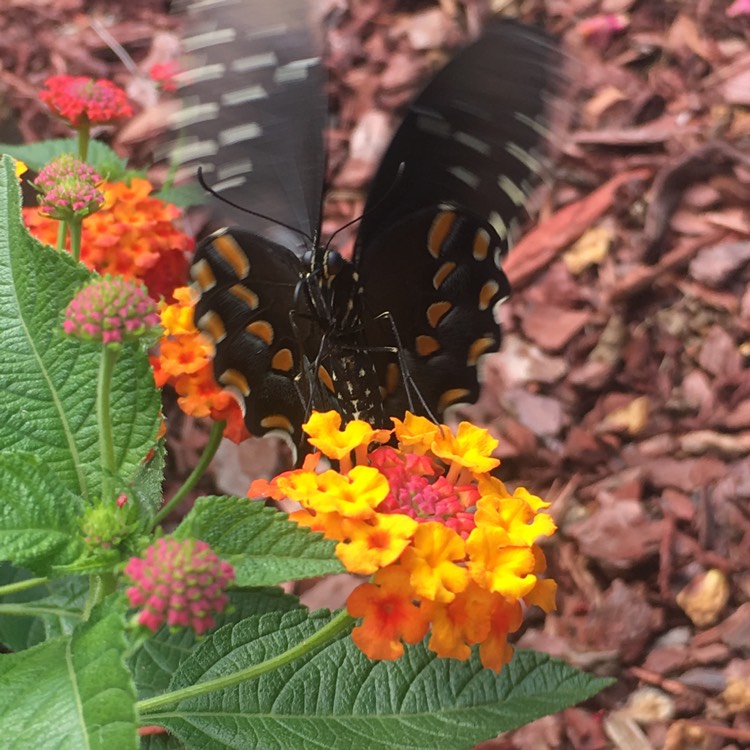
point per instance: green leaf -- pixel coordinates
(337, 698)
(70, 693)
(161, 742)
(263, 545)
(160, 655)
(39, 518)
(36, 155)
(41, 613)
(47, 380)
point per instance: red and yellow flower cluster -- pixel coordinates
(184, 361)
(450, 549)
(132, 235)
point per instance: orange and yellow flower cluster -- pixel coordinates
(184, 361)
(132, 235)
(450, 549)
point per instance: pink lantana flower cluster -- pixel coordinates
(111, 310)
(180, 583)
(68, 189)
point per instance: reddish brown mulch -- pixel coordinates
(622, 391)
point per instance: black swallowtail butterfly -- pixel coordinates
(406, 322)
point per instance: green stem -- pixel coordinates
(28, 583)
(338, 624)
(30, 610)
(214, 440)
(104, 421)
(100, 586)
(62, 231)
(75, 239)
(84, 132)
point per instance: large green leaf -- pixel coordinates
(264, 546)
(40, 613)
(337, 698)
(47, 380)
(159, 656)
(39, 519)
(70, 693)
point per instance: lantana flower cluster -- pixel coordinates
(449, 548)
(133, 235)
(112, 310)
(82, 100)
(68, 189)
(178, 583)
(185, 362)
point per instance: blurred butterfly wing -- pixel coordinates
(470, 138)
(254, 111)
(429, 249)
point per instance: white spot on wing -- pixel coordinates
(434, 125)
(193, 151)
(239, 133)
(193, 114)
(255, 62)
(241, 96)
(209, 39)
(535, 125)
(497, 223)
(234, 169)
(200, 74)
(294, 71)
(200, 6)
(511, 190)
(473, 143)
(469, 178)
(229, 184)
(524, 156)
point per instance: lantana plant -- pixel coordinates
(120, 631)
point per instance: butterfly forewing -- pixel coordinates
(472, 137)
(254, 110)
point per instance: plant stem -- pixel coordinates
(62, 231)
(28, 583)
(31, 610)
(104, 420)
(75, 239)
(100, 585)
(84, 131)
(338, 624)
(214, 440)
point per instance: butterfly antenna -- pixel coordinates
(396, 180)
(223, 199)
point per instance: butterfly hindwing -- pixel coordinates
(254, 307)
(440, 303)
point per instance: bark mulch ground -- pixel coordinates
(622, 390)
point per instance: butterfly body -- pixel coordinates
(406, 322)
